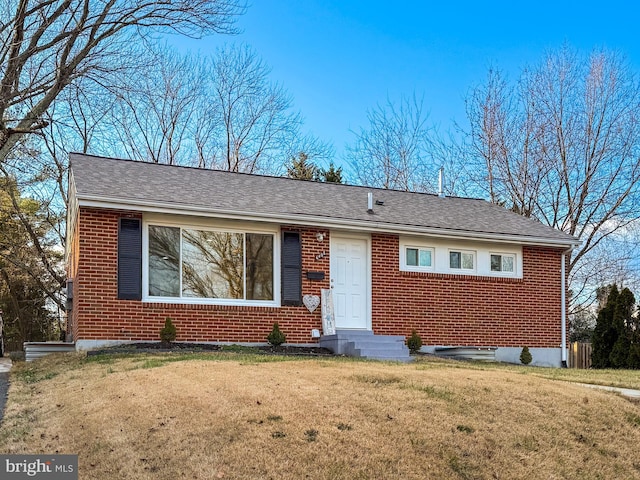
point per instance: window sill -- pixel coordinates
(209, 302)
(417, 270)
(462, 276)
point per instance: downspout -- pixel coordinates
(563, 305)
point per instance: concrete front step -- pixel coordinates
(364, 344)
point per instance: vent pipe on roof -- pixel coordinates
(369, 202)
(441, 183)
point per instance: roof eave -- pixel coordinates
(318, 221)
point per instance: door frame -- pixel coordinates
(355, 236)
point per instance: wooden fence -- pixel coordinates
(579, 355)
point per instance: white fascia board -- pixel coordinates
(315, 221)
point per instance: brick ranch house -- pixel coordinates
(226, 255)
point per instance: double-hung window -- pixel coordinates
(503, 263)
(198, 263)
(462, 260)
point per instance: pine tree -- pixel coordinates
(414, 342)
(622, 319)
(633, 359)
(276, 337)
(525, 356)
(616, 338)
(604, 335)
(168, 333)
(301, 168)
(331, 175)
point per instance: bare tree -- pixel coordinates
(154, 115)
(164, 113)
(45, 46)
(59, 62)
(218, 112)
(506, 137)
(393, 151)
(253, 120)
(564, 146)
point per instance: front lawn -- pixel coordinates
(242, 416)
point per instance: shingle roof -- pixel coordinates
(153, 187)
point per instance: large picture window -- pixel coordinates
(210, 264)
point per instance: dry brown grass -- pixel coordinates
(244, 417)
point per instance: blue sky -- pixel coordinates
(340, 58)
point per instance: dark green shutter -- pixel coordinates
(291, 269)
(130, 259)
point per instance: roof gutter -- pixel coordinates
(317, 221)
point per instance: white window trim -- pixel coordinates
(502, 273)
(416, 268)
(482, 252)
(461, 270)
(199, 225)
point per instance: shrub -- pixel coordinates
(414, 342)
(168, 332)
(525, 356)
(17, 356)
(276, 337)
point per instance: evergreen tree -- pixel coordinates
(616, 338)
(301, 168)
(604, 335)
(525, 356)
(622, 315)
(331, 175)
(620, 352)
(633, 359)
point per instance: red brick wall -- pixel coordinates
(99, 315)
(444, 309)
(465, 310)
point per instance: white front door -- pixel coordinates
(350, 281)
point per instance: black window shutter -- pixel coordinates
(291, 269)
(130, 259)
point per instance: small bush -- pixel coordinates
(168, 332)
(276, 337)
(414, 342)
(525, 356)
(17, 356)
